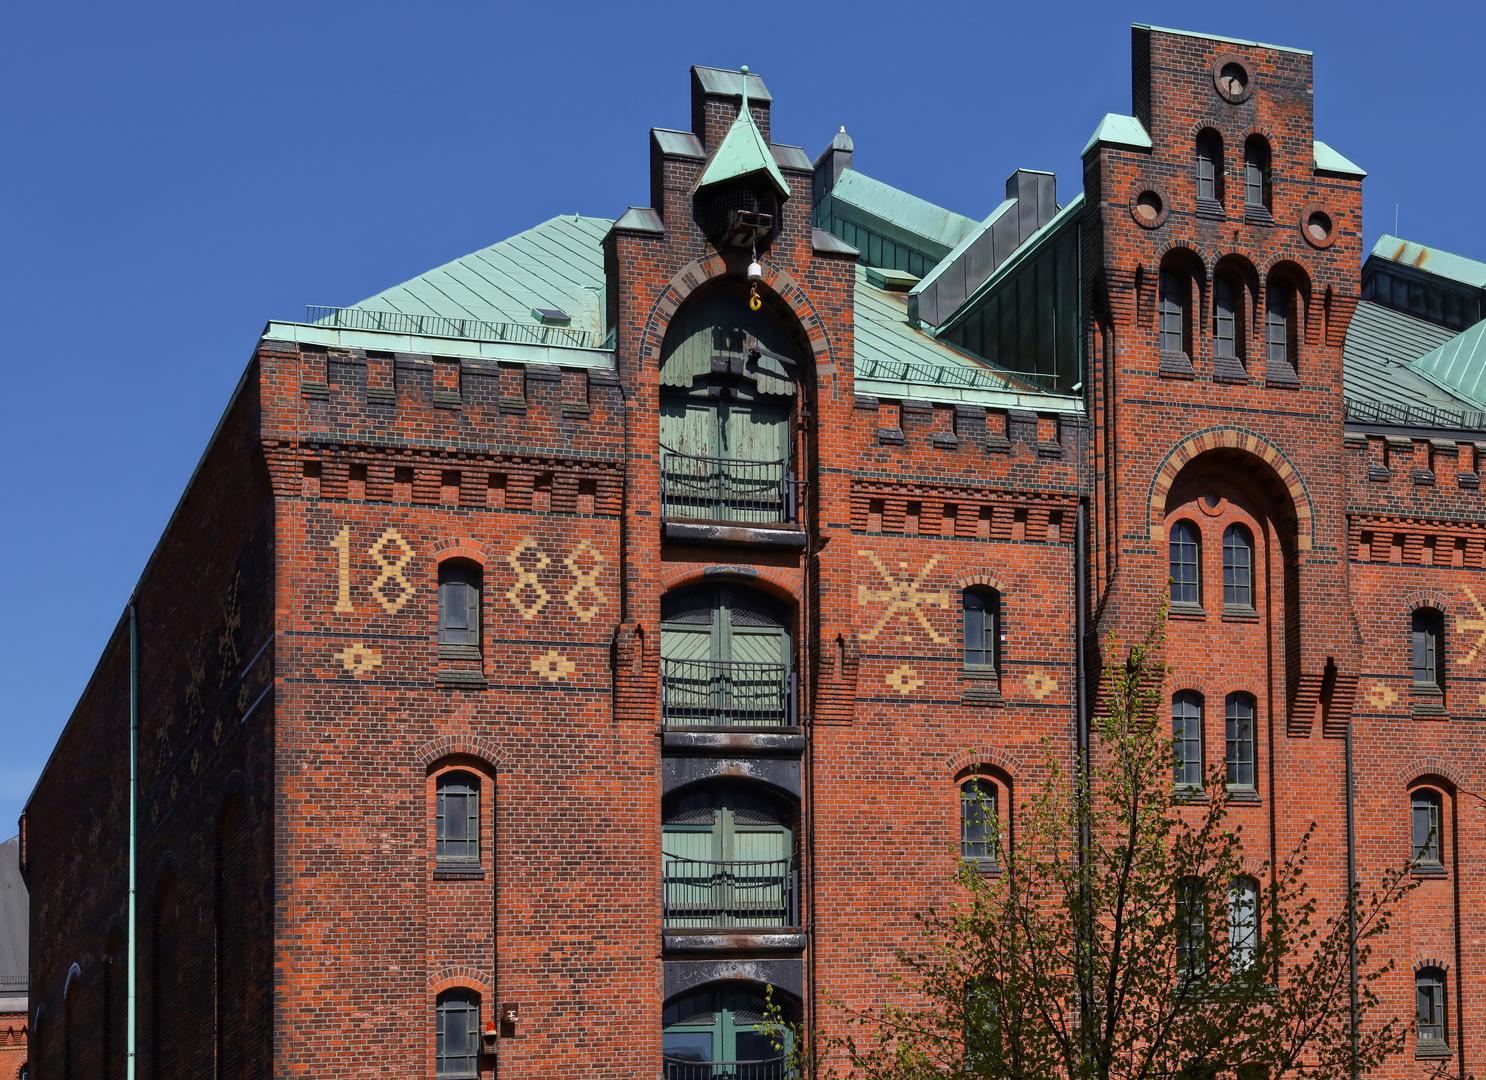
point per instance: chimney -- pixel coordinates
(715, 97)
(833, 161)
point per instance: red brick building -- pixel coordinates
(554, 652)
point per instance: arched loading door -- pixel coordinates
(725, 658)
(727, 389)
(728, 859)
(722, 1031)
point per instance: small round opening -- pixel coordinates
(1318, 226)
(1233, 79)
(1148, 207)
(1212, 499)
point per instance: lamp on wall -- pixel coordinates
(488, 1037)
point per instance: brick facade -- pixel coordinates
(297, 710)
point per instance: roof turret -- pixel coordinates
(744, 152)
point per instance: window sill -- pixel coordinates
(1432, 1048)
(1176, 365)
(1281, 375)
(984, 867)
(981, 686)
(1229, 369)
(1190, 795)
(1239, 613)
(1428, 870)
(458, 652)
(460, 678)
(1257, 215)
(1211, 209)
(1182, 610)
(1243, 795)
(452, 872)
(1429, 705)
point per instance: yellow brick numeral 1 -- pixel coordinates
(342, 544)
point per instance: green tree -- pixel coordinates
(1123, 939)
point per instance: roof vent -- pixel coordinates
(551, 316)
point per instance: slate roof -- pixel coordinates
(15, 926)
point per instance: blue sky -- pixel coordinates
(177, 174)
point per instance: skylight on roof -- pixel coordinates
(551, 316)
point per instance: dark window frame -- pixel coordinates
(1186, 729)
(461, 588)
(1244, 910)
(1208, 150)
(1242, 747)
(1427, 634)
(457, 790)
(1238, 566)
(1191, 928)
(1174, 310)
(1431, 1030)
(1282, 322)
(1426, 828)
(456, 1062)
(980, 822)
(980, 629)
(1185, 589)
(1258, 163)
(1230, 340)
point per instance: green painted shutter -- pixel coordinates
(754, 432)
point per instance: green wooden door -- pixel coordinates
(723, 1022)
(727, 854)
(725, 657)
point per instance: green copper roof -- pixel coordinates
(897, 208)
(1117, 130)
(1328, 160)
(1218, 37)
(1459, 365)
(557, 264)
(743, 152)
(1431, 261)
(896, 359)
(1380, 346)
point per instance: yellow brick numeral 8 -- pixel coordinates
(391, 588)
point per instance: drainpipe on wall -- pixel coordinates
(1351, 857)
(1081, 723)
(131, 969)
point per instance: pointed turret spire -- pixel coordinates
(743, 152)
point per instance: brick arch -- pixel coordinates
(74, 974)
(1191, 682)
(1415, 599)
(1204, 122)
(978, 577)
(697, 273)
(1288, 255)
(1230, 438)
(1246, 254)
(1421, 962)
(768, 578)
(475, 746)
(990, 755)
(1237, 684)
(1257, 129)
(462, 977)
(459, 547)
(1423, 768)
(1182, 244)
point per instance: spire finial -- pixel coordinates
(744, 72)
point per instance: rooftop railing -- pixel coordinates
(726, 489)
(971, 378)
(710, 894)
(763, 1069)
(1395, 414)
(726, 693)
(398, 322)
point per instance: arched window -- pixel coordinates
(459, 604)
(1281, 327)
(1175, 314)
(980, 610)
(722, 1029)
(1186, 731)
(1256, 176)
(1191, 928)
(1429, 1000)
(727, 859)
(1424, 805)
(1228, 319)
(1209, 171)
(457, 818)
(980, 822)
(1238, 567)
(1243, 922)
(1428, 640)
(457, 1034)
(1186, 563)
(1240, 720)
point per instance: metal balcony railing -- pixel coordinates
(714, 894)
(726, 489)
(765, 1069)
(726, 693)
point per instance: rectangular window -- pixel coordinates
(1238, 567)
(1279, 317)
(1185, 553)
(459, 604)
(1225, 323)
(457, 819)
(980, 628)
(1426, 827)
(1173, 311)
(1429, 996)
(1426, 635)
(1186, 729)
(457, 1042)
(1243, 922)
(1240, 741)
(980, 814)
(1206, 175)
(1191, 928)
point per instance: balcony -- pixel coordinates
(726, 694)
(728, 500)
(765, 1069)
(729, 895)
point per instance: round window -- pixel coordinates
(1232, 79)
(1316, 226)
(1148, 207)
